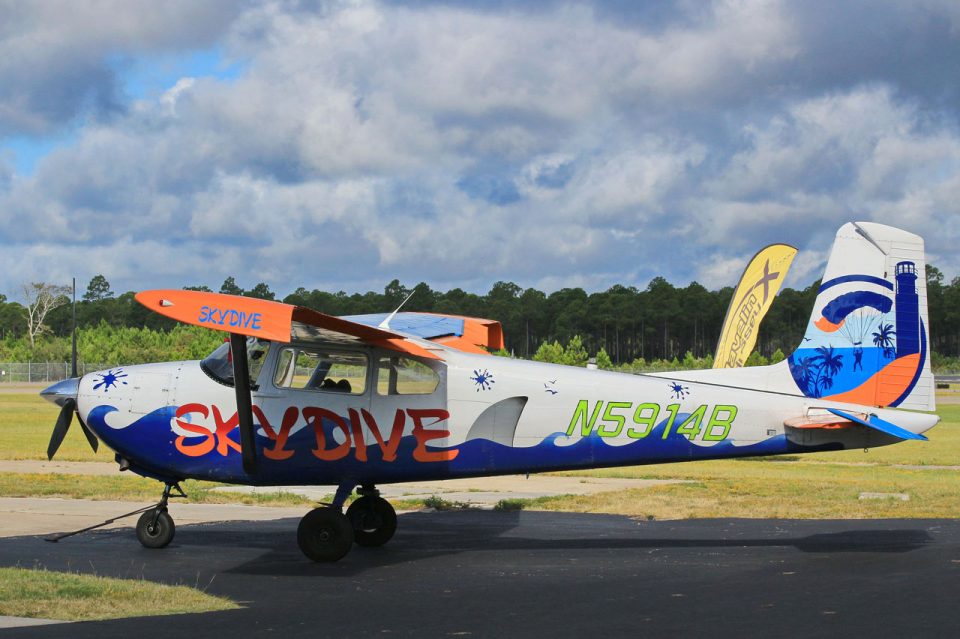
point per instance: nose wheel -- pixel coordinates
(155, 528)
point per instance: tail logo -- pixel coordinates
(868, 344)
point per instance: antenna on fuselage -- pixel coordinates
(385, 324)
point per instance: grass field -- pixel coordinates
(800, 486)
(26, 421)
(73, 597)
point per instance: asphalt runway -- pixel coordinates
(538, 574)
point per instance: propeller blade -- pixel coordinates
(91, 438)
(60, 428)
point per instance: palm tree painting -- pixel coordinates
(883, 338)
(829, 364)
(815, 374)
(804, 372)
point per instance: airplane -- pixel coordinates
(299, 397)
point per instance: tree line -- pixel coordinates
(660, 322)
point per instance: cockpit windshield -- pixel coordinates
(219, 363)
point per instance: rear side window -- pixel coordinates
(315, 369)
(405, 376)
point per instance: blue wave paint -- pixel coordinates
(151, 442)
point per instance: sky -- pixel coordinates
(340, 145)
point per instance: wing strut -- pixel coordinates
(241, 383)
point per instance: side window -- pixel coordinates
(405, 376)
(314, 369)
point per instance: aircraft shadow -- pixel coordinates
(271, 547)
(424, 536)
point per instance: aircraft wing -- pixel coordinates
(270, 320)
(469, 334)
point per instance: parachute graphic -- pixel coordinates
(855, 315)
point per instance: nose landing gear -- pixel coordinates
(155, 528)
(326, 534)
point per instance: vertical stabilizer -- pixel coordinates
(867, 341)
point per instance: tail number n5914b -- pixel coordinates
(612, 419)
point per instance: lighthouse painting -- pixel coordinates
(867, 344)
(908, 310)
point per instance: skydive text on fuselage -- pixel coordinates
(426, 426)
(230, 317)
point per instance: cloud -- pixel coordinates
(461, 143)
(57, 59)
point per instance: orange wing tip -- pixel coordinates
(478, 334)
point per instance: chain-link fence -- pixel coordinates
(43, 371)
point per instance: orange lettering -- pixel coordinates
(224, 443)
(315, 417)
(286, 425)
(194, 450)
(389, 447)
(358, 439)
(420, 453)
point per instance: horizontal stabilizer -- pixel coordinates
(825, 422)
(881, 425)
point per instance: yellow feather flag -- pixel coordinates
(758, 286)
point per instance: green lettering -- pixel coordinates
(648, 420)
(673, 408)
(583, 410)
(725, 423)
(690, 427)
(612, 430)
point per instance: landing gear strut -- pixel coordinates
(155, 528)
(326, 534)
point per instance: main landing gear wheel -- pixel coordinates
(373, 519)
(325, 534)
(155, 528)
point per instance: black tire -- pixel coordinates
(374, 521)
(325, 534)
(155, 536)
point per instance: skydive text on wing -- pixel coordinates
(230, 317)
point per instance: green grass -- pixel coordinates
(131, 488)
(768, 489)
(26, 421)
(72, 597)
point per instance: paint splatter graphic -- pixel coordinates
(679, 391)
(484, 380)
(110, 379)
